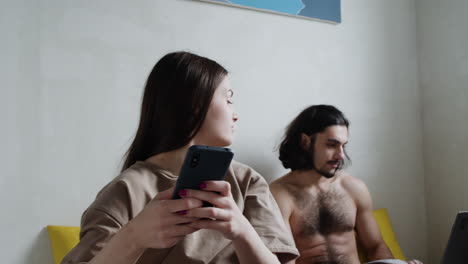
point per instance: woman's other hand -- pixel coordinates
(161, 223)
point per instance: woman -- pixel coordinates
(187, 101)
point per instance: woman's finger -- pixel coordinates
(222, 187)
(208, 212)
(217, 225)
(183, 204)
(164, 195)
(179, 218)
(207, 196)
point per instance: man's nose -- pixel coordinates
(235, 117)
(339, 155)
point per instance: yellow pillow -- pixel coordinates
(63, 239)
(383, 220)
(386, 229)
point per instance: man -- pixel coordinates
(321, 204)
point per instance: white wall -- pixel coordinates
(84, 69)
(443, 54)
(22, 239)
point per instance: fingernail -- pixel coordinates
(182, 193)
(184, 212)
(203, 186)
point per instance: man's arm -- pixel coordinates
(367, 229)
(285, 204)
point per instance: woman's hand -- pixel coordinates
(224, 217)
(161, 224)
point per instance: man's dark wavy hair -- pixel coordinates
(312, 120)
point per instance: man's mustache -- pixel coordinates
(335, 162)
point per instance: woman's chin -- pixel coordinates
(223, 143)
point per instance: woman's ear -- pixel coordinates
(305, 141)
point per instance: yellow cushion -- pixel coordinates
(386, 229)
(63, 239)
(383, 220)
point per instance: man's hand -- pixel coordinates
(415, 261)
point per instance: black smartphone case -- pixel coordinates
(202, 163)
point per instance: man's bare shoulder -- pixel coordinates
(283, 191)
(352, 184)
(357, 189)
(287, 187)
(285, 184)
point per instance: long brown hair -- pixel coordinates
(312, 120)
(177, 96)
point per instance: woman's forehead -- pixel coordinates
(225, 86)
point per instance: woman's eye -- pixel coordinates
(230, 102)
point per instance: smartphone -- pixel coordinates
(202, 163)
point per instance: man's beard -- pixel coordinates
(327, 173)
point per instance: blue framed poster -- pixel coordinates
(327, 10)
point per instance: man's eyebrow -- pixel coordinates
(336, 141)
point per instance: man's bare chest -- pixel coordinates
(323, 213)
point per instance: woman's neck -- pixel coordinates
(171, 160)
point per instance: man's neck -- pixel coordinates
(310, 178)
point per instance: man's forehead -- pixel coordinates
(335, 133)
